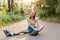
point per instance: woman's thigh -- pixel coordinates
(24, 30)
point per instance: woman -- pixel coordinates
(32, 25)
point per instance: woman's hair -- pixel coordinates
(33, 11)
(33, 16)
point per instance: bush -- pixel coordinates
(6, 19)
(42, 13)
(17, 17)
(11, 17)
(58, 10)
(16, 9)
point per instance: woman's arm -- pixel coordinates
(39, 26)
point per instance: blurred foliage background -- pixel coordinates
(49, 10)
(15, 10)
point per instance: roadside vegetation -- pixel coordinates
(10, 14)
(11, 11)
(50, 10)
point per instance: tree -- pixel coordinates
(51, 7)
(38, 3)
(9, 6)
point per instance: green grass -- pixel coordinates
(51, 19)
(2, 24)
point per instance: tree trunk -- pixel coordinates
(12, 5)
(9, 6)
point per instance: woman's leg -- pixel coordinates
(8, 33)
(24, 31)
(40, 29)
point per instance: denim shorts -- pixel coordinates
(30, 29)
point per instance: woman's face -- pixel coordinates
(33, 14)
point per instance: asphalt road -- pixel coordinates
(51, 31)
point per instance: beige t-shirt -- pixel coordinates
(33, 23)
